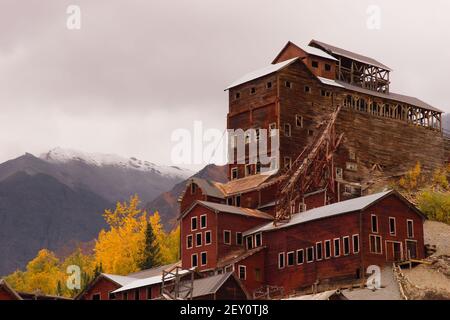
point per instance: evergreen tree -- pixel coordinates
(151, 256)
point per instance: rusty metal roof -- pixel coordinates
(209, 285)
(348, 54)
(237, 255)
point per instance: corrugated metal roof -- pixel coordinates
(236, 210)
(324, 212)
(246, 183)
(237, 255)
(209, 285)
(348, 54)
(261, 72)
(392, 96)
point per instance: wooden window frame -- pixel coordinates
(192, 260)
(319, 244)
(187, 241)
(260, 240)
(370, 244)
(210, 238)
(355, 236)
(325, 249)
(372, 225)
(392, 232)
(196, 223)
(303, 256)
(206, 221)
(252, 242)
(242, 267)
(283, 256)
(339, 247)
(307, 256)
(407, 228)
(292, 254)
(287, 134)
(288, 84)
(348, 246)
(315, 64)
(225, 232)
(235, 169)
(242, 239)
(205, 253)
(196, 239)
(193, 188)
(245, 170)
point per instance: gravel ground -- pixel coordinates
(427, 277)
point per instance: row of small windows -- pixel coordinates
(198, 239)
(125, 295)
(203, 259)
(322, 250)
(227, 238)
(392, 226)
(194, 222)
(269, 85)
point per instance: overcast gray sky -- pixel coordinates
(136, 70)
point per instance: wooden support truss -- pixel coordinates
(312, 170)
(177, 284)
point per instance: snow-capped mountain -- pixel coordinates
(62, 155)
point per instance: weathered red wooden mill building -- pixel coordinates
(342, 134)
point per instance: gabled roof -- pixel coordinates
(332, 210)
(309, 50)
(120, 280)
(348, 54)
(392, 96)
(261, 72)
(8, 288)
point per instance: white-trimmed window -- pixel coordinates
(249, 242)
(208, 237)
(337, 247)
(327, 249)
(375, 244)
(355, 241)
(374, 223)
(239, 238)
(319, 251)
(290, 258)
(287, 129)
(258, 239)
(300, 256)
(194, 260)
(309, 254)
(242, 272)
(203, 221)
(234, 173)
(281, 260)
(198, 239)
(194, 225)
(298, 121)
(203, 258)
(189, 241)
(226, 236)
(392, 226)
(346, 245)
(410, 228)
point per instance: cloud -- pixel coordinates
(152, 66)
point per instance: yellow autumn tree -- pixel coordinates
(120, 249)
(42, 274)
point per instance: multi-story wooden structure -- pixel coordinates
(342, 131)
